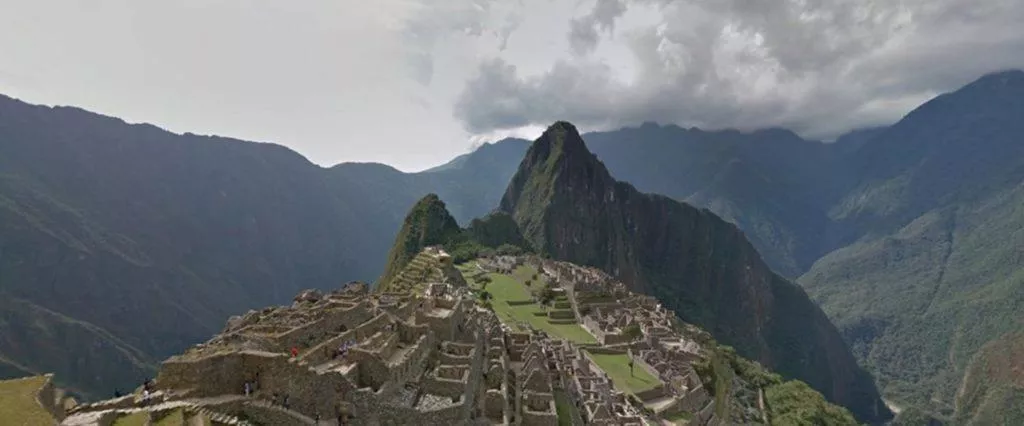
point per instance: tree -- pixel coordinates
(632, 332)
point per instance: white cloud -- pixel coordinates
(819, 67)
(412, 82)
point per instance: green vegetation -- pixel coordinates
(993, 387)
(617, 368)
(918, 304)
(18, 403)
(795, 403)
(698, 265)
(564, 408)
(511, 288)
(134, 419)
(680, 418)
(174, 418)
(735, 382)
(427, 224)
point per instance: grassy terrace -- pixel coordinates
(504, 288)
(617, 367)
(18, 404)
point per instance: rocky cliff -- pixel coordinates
(570, 208)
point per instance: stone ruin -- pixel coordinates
(424, 356)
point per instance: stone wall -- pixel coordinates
(653, 393)
(321, 353)
(607, 351)
(331, 323)
(401, 416)
(443, 387)
(225, 374)
(706, 415)
(533, 418)
(695, 399)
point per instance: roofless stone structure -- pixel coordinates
(431, 355)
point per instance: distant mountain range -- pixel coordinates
(907, 235)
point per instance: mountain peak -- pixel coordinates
(427, 224)
(1001, 78)
(557, 165)
(563, 137)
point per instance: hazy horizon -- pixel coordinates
(412, 85)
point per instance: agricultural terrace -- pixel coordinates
(617, 368)
(512, 300)
(18, 403)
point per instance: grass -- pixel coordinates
(617, 367)
(564, 408)
(134, 419)
(175, 418)
(680, 419)
(504, 288)
(18, 404)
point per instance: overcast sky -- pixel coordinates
(413, 83)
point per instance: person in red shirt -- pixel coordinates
(295, 352)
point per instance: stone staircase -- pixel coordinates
(294, 417)
(197, 411)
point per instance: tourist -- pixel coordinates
(295, 351)
(248, 389)
(285, 402)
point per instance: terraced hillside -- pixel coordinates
(432, 265)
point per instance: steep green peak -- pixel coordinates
(562, 140)
(557, 169)
(427, 224)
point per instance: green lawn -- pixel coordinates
(617, 367)
(679, 419)
(504, 288)
(18, 404)
(134, 419)
(564, 408)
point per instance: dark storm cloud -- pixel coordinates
(819, 67)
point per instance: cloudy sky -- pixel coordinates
(413, 83)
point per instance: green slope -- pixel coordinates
(936, 273)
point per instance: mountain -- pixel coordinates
(570, 208)
(992, 391)
(933, 273)
(109, 232)
(427, 224)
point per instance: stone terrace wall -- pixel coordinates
(653, 393)
(433, 384)
(401, 416)
(321, 352)
(47, 398)
(225, 374)
(317, 330)
(533, 418)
